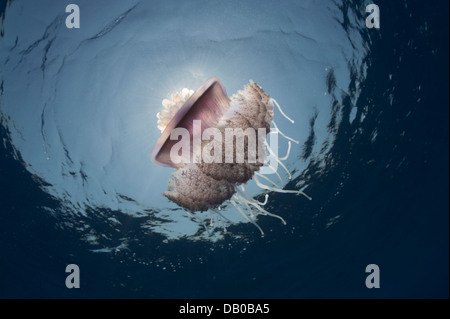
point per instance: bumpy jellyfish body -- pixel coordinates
(202, 185)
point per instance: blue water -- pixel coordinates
(379, 187)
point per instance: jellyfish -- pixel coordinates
(216, 145)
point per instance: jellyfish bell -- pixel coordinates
(239, 126)
(206, 105)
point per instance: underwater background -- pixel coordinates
(78, 121)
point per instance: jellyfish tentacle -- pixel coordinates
(221, 215)
(266, 199)
(279, 190)
(266, 196)
(211, 220)
(218, 221)
(250, 211)
(281, 111)
(278, 160)
(306, 195)
(285, 157)
(277, 130)
(275, 171)
(246, 217)
(267, 179)
(256, 204)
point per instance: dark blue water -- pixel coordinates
(392, 194)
